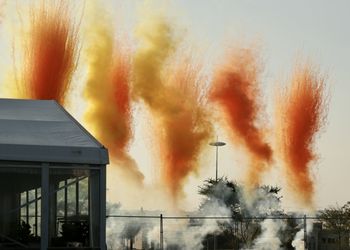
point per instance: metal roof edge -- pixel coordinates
(54, 154)
(78, 124)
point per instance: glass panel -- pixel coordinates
(39, 212)
(31, 209)
(84, 197)
(72, 227)
(71, 197)
(61, 200)
(23, 212)
(17, 215)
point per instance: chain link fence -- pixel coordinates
(160, 232)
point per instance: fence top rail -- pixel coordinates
(133, 216)
(283, 217)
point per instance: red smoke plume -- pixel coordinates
(122, 102)
(301, 113)
(51, 52)
(121, 119)
(236, 89)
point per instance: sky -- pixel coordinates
(284, 32)
(317, 30)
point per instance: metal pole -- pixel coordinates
(161, 232)
(36, 212)
(305, 234)
(214, 241)
(217, 144)
(45, 207)
(102, 207)
(65, 201)
(76, 196)
(27, 207)
(217, 163)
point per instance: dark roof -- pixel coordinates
(43, 131)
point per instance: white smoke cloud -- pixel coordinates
(270, 236)
(298, 241)
(190, 232)
(122, 229)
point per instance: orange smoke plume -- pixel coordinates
(236, 89)
(173, 97)
(185, 127)
(301, 113)
(51, 52)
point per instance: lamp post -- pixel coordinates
(217, 144)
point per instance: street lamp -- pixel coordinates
(217, 144)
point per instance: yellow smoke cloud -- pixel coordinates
(106, 115)
(156, 46)
(98, 56)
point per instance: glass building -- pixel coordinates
(52, 179)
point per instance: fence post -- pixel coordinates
(161, 232)
(215, 243)
(305, 233)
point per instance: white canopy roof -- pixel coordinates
(42, 131)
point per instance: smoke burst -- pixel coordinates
(173, 97)
(51, 52)
(236, 90)
(301, 113)
(108, 94)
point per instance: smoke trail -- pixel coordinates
(235, 88)
(173, 97)
(108, 94)
(51, 52)
(301, 113)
